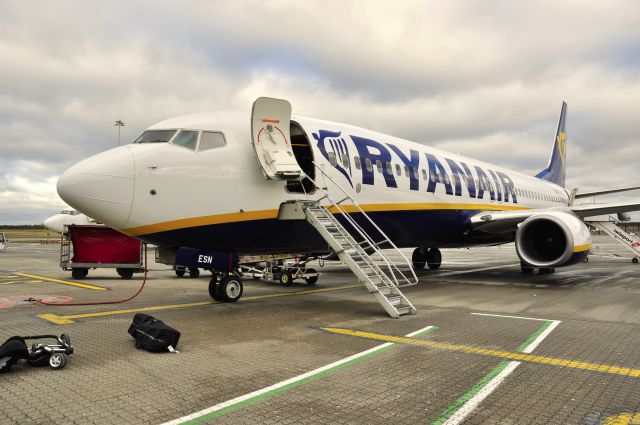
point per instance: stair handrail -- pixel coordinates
(410, 280)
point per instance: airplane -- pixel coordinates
(224, 182)
(57, 222)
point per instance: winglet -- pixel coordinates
(555, 171)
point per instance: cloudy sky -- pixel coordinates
(485, 79)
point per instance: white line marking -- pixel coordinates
(515, 317)
(473, 270)
(474, 401)
(281, 384)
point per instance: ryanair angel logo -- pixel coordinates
(561, 139)
(335, 150)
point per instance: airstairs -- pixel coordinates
(611, 228)
(382, 275)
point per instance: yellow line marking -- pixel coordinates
(65, 320)
(531, 358)
(8, 277)
(12, 281)
(64, 282)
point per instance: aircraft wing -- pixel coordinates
(507, 221)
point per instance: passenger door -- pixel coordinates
(270, 121)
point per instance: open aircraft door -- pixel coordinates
(270, 136)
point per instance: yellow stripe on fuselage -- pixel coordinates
(582, 248)
(270, 214)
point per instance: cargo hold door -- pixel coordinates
(271, 139)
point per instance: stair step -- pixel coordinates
(403, 308)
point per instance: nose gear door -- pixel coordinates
(271, 140)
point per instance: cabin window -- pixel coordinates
(368, 164)
(211, 140)
(187, 139)
(424, 174)
(379, 166)
(345, 161)
(432, 176)
(356, 161)
(446, 179)
(388, 167)
(398, 170)
(155, 136)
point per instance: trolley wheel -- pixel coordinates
(526, 268)
(194, 272)
(634, 260)
(58, 360)
(434, 258)
(79, 273)
(125, 273)
(179, 270)
(285, 278)
(418, 258)
(230, 288)
(313, 279)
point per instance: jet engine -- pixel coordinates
(552, 239)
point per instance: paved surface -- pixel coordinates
(591, 321)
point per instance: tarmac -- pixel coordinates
(488, 345)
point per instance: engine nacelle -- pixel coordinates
(553, 239)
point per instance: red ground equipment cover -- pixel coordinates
(100, 244)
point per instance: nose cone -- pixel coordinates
(53, 223)
(101, 186)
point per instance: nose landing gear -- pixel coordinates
(225, 287)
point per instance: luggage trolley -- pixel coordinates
(84, 247)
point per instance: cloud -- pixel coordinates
(483, 79)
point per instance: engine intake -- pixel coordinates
(552, 239)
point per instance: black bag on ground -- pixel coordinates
(152, 334)
(11, 351)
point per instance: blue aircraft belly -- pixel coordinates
(429, 228)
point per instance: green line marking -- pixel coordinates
(258, 398)
(453, 408)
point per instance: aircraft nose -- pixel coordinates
(101, 186)
(51, 224)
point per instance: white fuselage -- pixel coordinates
(219, 198)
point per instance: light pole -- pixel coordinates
(119, 124)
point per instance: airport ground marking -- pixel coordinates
(467, 402)
(275, 389)
(457, 272)
(10, 282)
(64, 282)
(511, 317)
(69, 319)
(500, 354)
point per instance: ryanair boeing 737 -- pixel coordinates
(240, 183)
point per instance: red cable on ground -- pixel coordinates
(144, 281)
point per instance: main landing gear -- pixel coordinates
(527, 269)
(426, 256)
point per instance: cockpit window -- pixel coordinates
(211, 140)
(155, 136)
(187, 139)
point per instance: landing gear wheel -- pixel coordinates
(58, 360)
(214, 289)
(194, 272)
(125, 273)
(79, 273)
(586, 260)
(179, 270)
(546, 270)
(434, 258)
(230, 288)
(419, 258)
(313, 279)
(526, 268)
(285, 278)
(634, 260)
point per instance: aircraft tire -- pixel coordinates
(526, 269)
(546, 270)
(434, 258)
(419, 259)
(214, 288)
(285, 278)
(194, 272)
(179, 270)
(634, 260)
(79, 273)
(230, 288)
